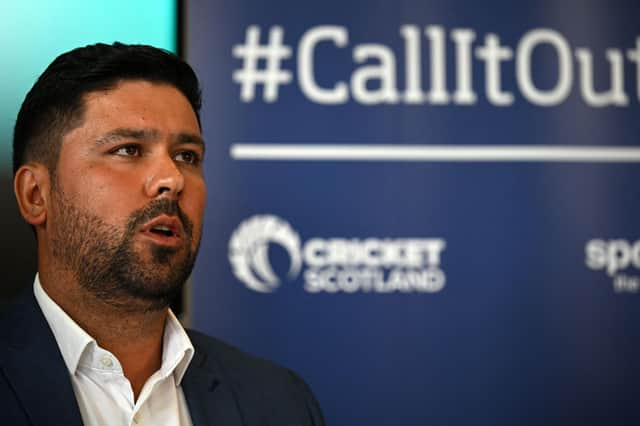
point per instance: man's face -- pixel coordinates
(128, 195)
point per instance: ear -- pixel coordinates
(31, 185)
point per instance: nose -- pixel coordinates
(164, 177)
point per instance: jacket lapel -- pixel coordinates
(32, 363)
(210, 400)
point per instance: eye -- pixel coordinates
(188, 157)
(128, 151)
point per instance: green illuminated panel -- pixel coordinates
(34, 32)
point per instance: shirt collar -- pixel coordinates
(73, 341)
(177, 349)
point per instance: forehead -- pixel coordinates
(139, 103)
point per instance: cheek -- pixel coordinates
(110, 196)
(193, 203)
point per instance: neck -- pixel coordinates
(133, 335)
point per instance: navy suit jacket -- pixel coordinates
(223, 386)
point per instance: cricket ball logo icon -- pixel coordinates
(249, 251)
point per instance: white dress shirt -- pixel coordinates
(104, 394)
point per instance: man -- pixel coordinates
(108, 172)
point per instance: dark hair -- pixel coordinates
(54, 105)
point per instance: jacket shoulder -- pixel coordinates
(232, 359)
(257, 382)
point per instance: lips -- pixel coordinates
(164, 230)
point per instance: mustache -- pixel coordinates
(156, 208)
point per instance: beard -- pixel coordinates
(105, 262)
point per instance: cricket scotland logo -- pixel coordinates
(335, 265)
(249, 251)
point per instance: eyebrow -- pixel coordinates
(147, 135)
(126, 133)
(189, 138)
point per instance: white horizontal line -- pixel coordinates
(471, 153)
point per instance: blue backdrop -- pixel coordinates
(426, 208)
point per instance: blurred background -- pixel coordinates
(426, 208)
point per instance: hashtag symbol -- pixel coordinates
(271, 76)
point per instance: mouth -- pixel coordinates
(164, 230)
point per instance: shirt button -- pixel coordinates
(106, 361)
(136, 418)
